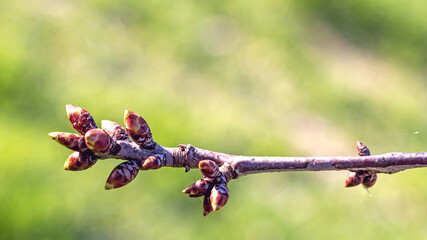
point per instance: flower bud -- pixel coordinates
(153, 162)
(354, 179)
(116, 131)
(362, 149)
(370, 180)
(98, 141)
(209, 168)
(199, 188)
(219, 196)
(121, 175)
(207, 205)
(81, 119)
(138, 129)
(80, 161)
(68, 140)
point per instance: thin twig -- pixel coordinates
(142, 153)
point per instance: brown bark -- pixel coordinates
(189, 157)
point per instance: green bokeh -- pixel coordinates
(243, 77)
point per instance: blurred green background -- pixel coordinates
(244, 77)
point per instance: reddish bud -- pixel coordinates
(219, 196)
(198, 189)
(209, 168)
(369, 180)
(116, 131)
(121, 175)
(354, 179)
(68, 140)
(138, 129)
(98, 141)
(80, 161)
(81, 119)
(362, 149)
(207, 205)
(153, 162)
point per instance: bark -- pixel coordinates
(189, 157)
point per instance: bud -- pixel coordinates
(370, 180)
(198, 189)
(68, 140)
(209, 168)
(362, 149)
(219, 196)
(80, 161)
(207, 205)
(98, 141)
(121, 175)
(153, 162)
(138, 129)
(354, 179)
(116, 131)
(81, 119)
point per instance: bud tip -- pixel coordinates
(187, 190)
(66, 167)
(53, 135)
(108, 186)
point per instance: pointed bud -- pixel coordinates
(81, 119)
(80, 161)
(219, 196)
(116, 131)
(138, 130)
(68, 140)
(98, 141)
(199, 188)
(121, 175)
(362, 149)
(207, 205)
(153, 162)
(354, 179)
(209, 168)
(369, 180)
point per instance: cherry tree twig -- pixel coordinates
(135, 144)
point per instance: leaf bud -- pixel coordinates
(68, 140)
(209, 168)
(219, 196)
(114, 129)
(138, 130)
(98, 141)
(81, 120)
(78, 161)
(123, 174)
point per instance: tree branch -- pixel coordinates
(113, 141)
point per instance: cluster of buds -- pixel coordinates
(365, 177)
(213, 187)
(94, 143)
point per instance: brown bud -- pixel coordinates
(207, 205)
(219, 196)
(198, 189)
(81, 119)
(153, 162)
(98, 141)
(138, 130)
(80, 161)
(354, 179)
(209, 168)
(116, 131)
(121, 175)
(362, 149)
(68, 140)
(370, 180)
